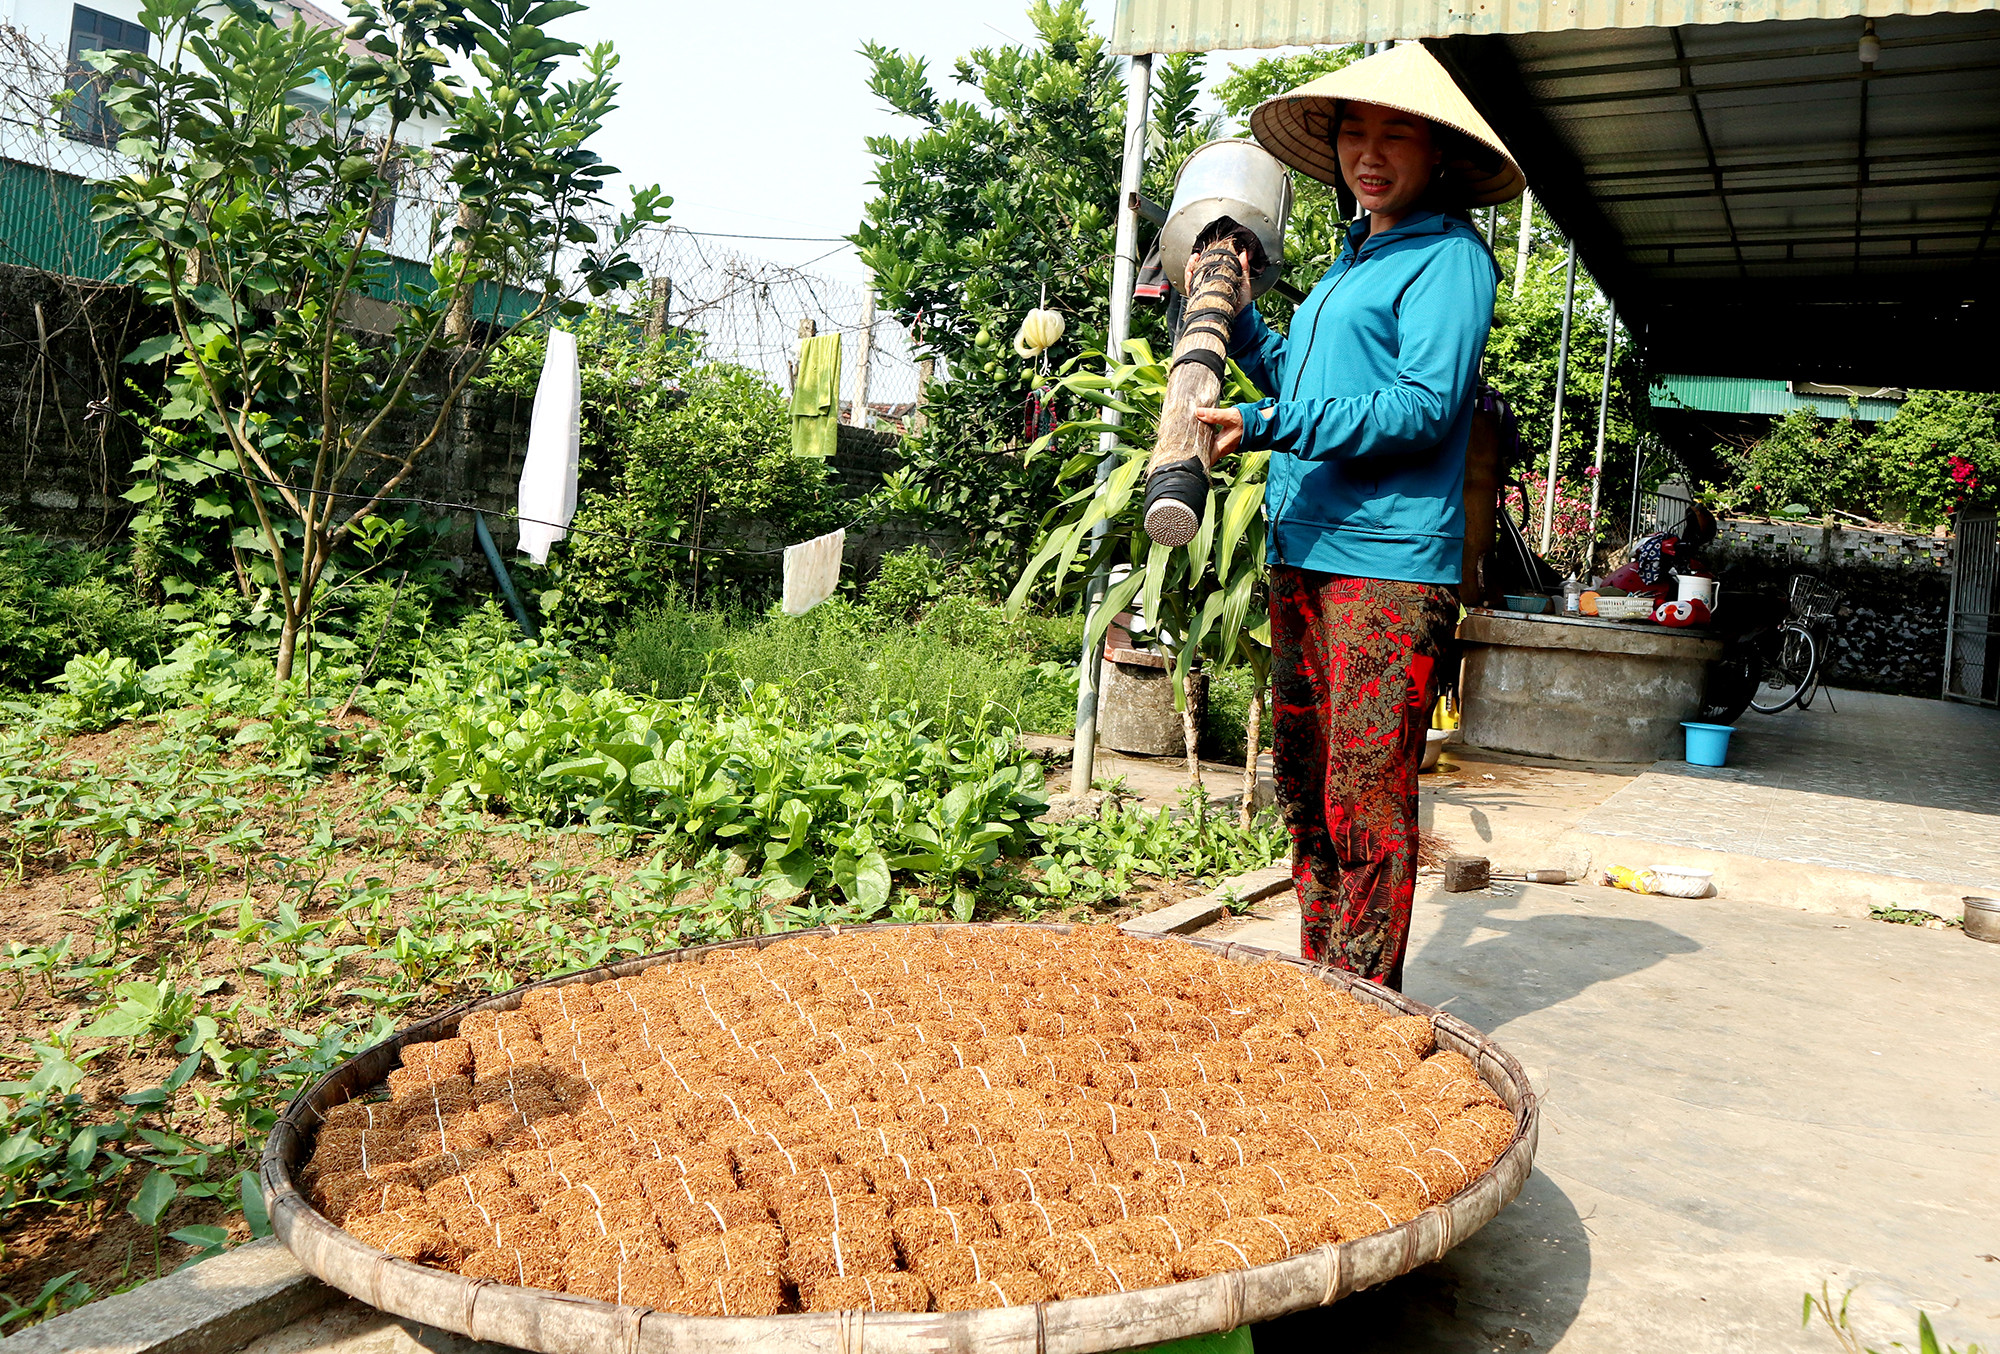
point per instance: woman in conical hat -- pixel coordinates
(1370, 406)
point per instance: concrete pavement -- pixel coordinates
(1739, 1103)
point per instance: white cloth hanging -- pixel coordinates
(812, 571)
(548, 474)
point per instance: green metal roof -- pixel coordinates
(1742, 395)
(1218, 25)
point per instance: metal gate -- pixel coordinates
(1972, 635)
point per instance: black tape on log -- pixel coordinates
(1204, 357)
(1185, 482)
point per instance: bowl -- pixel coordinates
(1531, 605)
(1433, 747)
(1680, 881)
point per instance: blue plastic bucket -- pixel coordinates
(1708, 744)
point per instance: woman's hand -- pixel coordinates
(1242, 293)
(1228, 425)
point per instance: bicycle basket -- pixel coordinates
(1812, 600)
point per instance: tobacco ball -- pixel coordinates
(1017, 1288)
(887, 1292)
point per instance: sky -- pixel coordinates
(760, 130)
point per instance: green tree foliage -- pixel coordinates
(994, 205)
(675, 449)
(260, 160)
(1940, 451)
(1805, 461)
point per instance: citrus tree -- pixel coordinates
(261, 163)
(1002, 197)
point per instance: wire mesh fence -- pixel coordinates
(750, 311)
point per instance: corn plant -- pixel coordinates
(1202, 602)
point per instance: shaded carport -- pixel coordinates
(1759, 199)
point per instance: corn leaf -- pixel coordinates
(1236, 603)
(1159, 560)
(1057, 541)
(1115, 601)
(1245, 496)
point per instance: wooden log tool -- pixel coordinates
(1177, 473)
(1463, 874)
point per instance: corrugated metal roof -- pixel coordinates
(1761, 202)
(1743, 395)
(1218, 25)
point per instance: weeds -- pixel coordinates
(1913, 916)
(1836, 1322)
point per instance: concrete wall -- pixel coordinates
(66, 449)
(69, 439)
(1817, 546)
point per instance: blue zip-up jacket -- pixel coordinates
(1372, 403)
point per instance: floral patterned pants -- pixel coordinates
(1354, 669)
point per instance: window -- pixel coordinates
(87, 119)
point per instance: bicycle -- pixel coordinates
(1771, 665)
(1792, 661)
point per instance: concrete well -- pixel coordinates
(1580, 689)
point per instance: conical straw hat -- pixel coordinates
(1298, 127)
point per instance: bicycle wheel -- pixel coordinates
(1789, 675)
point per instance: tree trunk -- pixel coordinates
(458, 318)
(298, 607)
(1251, 738)
(288, 644)
(1194, 693)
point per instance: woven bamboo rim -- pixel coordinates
(562, 1323)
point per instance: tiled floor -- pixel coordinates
(1884, 784)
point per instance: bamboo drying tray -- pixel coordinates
(562, 1323)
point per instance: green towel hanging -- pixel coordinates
(816, 398)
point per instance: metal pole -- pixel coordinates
(501, 576)
(1124, 265)
(1603, 412)
(1556, 419)
(1638, 466)
(1521, 239)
